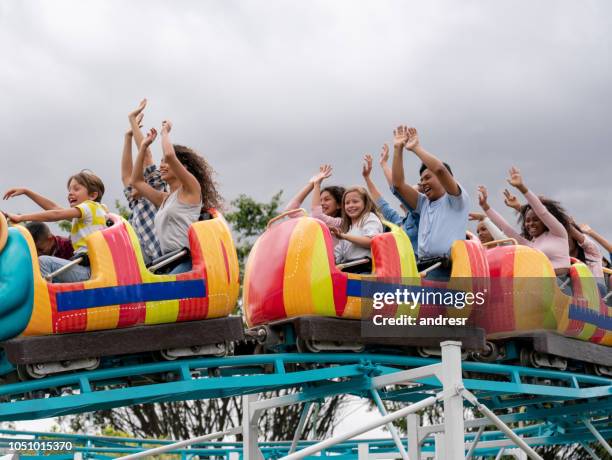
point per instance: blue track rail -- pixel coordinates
(103, 447)
(311, 375)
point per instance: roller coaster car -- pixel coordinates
(527, 304)
(294, 294)
(124, 308)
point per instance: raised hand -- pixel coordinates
(400, 136)
(325, 172)
(166, 127)
(134, 114)
(384, 155)
(151, 136)
(516, 180)
(483, 196)
(511, 200)
(412, 140)
(367, 166)
(138, 119)
(14, 218)
(476, 216)
(13, 192)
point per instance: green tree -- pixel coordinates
(248, 220)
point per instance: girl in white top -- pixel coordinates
(191, 190)
(360, 223)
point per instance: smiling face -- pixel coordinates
(164, 171)
(77, 193)
(534, 226)
(483, 233)
(329, 205)
(430, 186)
(354, 205)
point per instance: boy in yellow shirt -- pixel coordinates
(88, 214)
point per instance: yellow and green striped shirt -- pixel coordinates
(93, 218)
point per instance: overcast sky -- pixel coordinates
(268, 90)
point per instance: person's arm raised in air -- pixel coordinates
(554, 226)
(432, 163)
(365, 172)
(385, 209)
(400, 137)
(383, 161)
(135, 118)
(597, 237)
(298, 199)
(126, 156)
(138, 181)
(52, 215)
(497, 219)
(494, 230)
(190, 192)
(511, 201)
(325, 172)
(40, 200)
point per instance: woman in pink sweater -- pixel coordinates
(543, 223)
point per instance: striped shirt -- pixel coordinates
(93, 218)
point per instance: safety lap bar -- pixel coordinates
(352, 263)
(168, 259)
(285, 214)
(63, 269)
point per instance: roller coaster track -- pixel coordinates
(543, 394)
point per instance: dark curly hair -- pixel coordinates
(337, 192)
(203, 172)
(554, 207)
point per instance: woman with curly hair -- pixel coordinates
(192, 189)
(543, 223)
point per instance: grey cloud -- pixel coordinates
(268, 90)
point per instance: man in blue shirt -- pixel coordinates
(443, 205)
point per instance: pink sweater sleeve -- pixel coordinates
(293, 204)
(317, 212)
(554, 226)
(505, 227)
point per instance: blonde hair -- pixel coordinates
(368, 207)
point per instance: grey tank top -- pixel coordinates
(172, 222)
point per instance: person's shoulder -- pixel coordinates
(463, 196)
(372, 217)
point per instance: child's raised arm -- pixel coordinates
(191, 192)
(400, 137)
(138, 182)
(53, 215)
(432, 163)
(40, 200)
